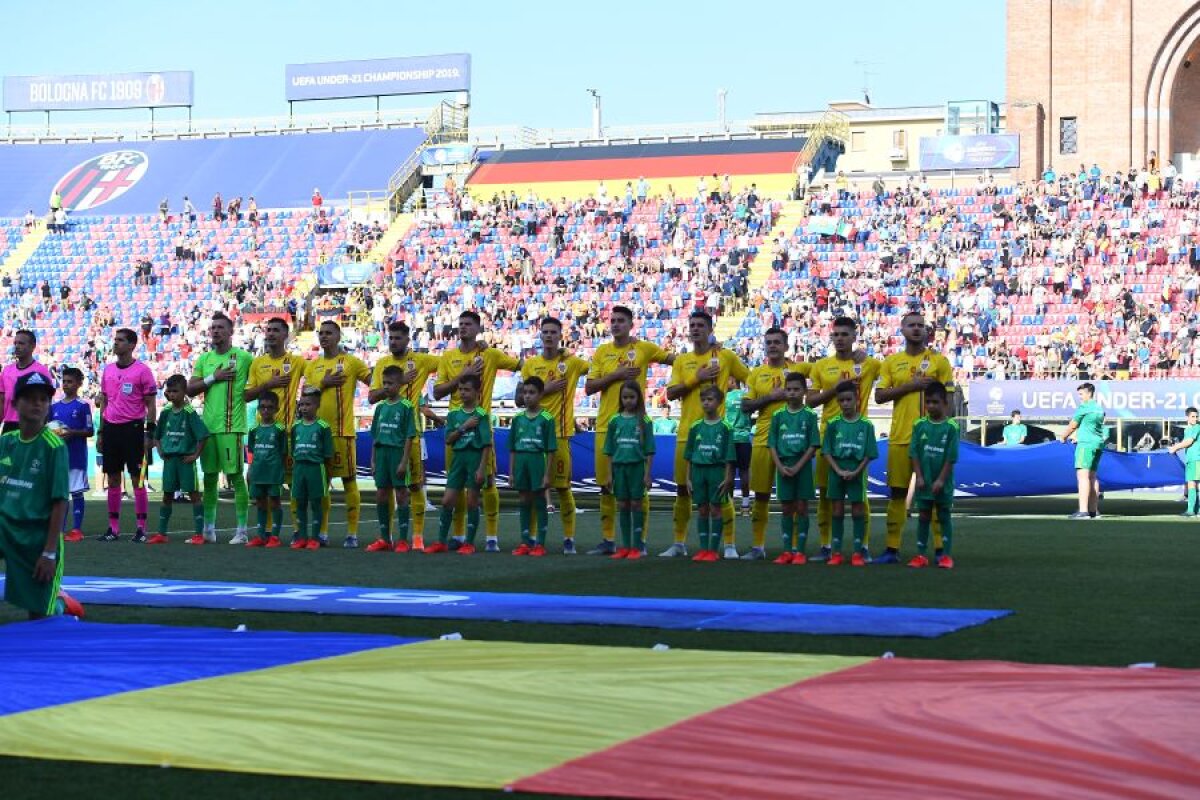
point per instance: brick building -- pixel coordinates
(1106, 81)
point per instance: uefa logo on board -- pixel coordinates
(995, 403)
(101, 179)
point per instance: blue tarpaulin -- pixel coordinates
(643, 612)
(1039, 469)
(105, 659)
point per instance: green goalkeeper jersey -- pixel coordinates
(1192, 454)
(224, 401)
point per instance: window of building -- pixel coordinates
(1068, 135)
(858, 141)
(899, 140)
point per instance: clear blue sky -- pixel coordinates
(532, 63)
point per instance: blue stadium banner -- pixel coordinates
(1057, 399)
(347, 273)
(114, 90)
(989, 151)
(379, 76)
(445, 155)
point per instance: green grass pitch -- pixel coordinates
(1109, 592)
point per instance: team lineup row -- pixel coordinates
(228, 377)
(305, 436)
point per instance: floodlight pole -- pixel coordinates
(597, 127)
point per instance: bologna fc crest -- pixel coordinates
(156, 89)
(101, 179)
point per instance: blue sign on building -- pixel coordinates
(379, 76)
(113, 90)
(987, 151)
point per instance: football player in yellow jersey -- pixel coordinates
(560, 372)
(473, 357)
(902, 382)
(337, 373)
(707, 364)
(623, 359)
(846, 364)
(417, 368)
(765, 395)
(278, 372)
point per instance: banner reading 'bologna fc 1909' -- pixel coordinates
(112, 90)
(1058, 400)
(379, 76)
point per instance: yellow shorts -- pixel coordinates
(560, 465)
(603, 464)
(821, 473)
(899, 466)
(345, 464)
(762, 470)
(416, 463)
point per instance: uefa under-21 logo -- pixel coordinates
(101, 178)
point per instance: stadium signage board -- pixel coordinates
(986, 151)
(345, 273)
(379, 76)
(1133, 399)
(111, 90)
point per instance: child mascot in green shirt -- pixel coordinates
(34, 487)
(629, 446)
(531, 442)
(393, 429)
(934, 451)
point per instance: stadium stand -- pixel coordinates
(1092, 275)
(1085, 275)
(79, 284)
(524, 258)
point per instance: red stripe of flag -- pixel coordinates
(86, 183)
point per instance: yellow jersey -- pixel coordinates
(609, 358)
(560, 405)
(684, 372)
(425, 365)
(454, 361)
(899, 369)
(762, 381)
(828, 372)
(337, 402)
(265, 367)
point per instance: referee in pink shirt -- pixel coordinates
(24, 343)
(127, 402)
